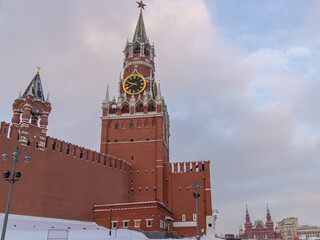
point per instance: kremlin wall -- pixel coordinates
(131, 182)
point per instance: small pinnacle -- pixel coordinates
(38, 71)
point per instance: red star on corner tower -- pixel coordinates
(141, 5)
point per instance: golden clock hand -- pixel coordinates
(132, 83)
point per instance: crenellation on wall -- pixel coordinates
(4, 129)
(82, 153)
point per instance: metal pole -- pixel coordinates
(5, 221)
(198, 236)
(110, 220)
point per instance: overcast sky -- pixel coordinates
(240, 78)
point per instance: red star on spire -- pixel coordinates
(141, 5)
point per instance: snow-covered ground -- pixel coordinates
(36, 228)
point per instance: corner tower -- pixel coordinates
(135, 125)
(30, 115)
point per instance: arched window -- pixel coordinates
(116, 126)
(125, 108)
(151, 107)
(113, 108)
(136, 48)
(139, 107)
(131, 124)
(146, 50)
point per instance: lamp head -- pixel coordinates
(6, 174)
(17, 175)
(4, 156)
(27, 158)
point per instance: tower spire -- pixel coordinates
(140, 34)
(247, 215)
(35, 88)
(268, 214)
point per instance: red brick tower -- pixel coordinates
(269, 225)
(30, 115)
(135, 126)
(248, 225)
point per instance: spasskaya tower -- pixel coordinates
(135, 125)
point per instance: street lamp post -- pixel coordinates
(14, 177)
(110, 220)
(195, 188)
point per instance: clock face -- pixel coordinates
(134, 84)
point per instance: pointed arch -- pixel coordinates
(136, 48)
(139, 106)
(151, 106)
(146, 49)
(113, 108)
(125, 107)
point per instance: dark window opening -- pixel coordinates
(151, 107)
(108, 140)
(28, 143)
(81, 155)
(125, 108)
(131, 140)
(116, 126)
(202, 166)
(139, 107)
(113, 108)
(131, 124)
(147, 139)
(68, 150)
(146, 50)
(209, 225)
(132, 157)
(54, 146)
(116, 140)
(139, 189)
(136, 49)
(37, 144)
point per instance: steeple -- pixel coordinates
(140, 34)
(35, 89)
(247, 215)
(268, 214)
(30, 115)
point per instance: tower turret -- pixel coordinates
(269, 225)
(30, 114)
(248, 225)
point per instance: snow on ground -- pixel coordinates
(37, 228)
